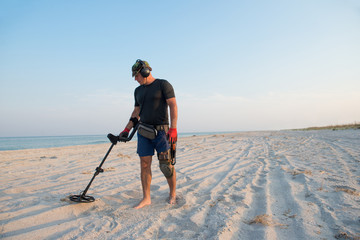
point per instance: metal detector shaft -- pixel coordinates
(98, 170)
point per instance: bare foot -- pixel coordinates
(143, 203)
(172, 200)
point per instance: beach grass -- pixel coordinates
(265, 220)
(354, 125)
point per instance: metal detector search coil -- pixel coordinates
(81, 198)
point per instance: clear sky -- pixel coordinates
(65, 66)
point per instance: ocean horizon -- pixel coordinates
(34, 142)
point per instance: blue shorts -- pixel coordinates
(146, 146)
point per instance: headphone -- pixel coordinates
(145, 71)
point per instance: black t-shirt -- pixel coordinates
(154, 109)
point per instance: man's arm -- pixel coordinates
(173, 112)
(134, 114)
(125, 133)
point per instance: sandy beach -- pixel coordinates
(251, 185)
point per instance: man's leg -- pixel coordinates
(145, 165)
(172, 186)
(166, 169)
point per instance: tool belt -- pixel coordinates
(150, 131)
(162, 128)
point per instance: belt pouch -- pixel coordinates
(147, 131)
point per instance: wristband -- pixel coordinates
(134, 120)
(126, 130)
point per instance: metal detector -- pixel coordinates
(83, 198)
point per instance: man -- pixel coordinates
(152, 99)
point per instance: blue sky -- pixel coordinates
(235, 65)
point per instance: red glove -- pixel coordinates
(125, 133)
(172, 135)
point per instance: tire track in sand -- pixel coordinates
(256, 195)
(211, 194)
(315, 213)
(281, 199)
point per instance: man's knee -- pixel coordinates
(165, 164)
(145, 162)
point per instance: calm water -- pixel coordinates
(17, 143)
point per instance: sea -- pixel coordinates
(18, 143)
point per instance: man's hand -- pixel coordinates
(125, 133)
(172, 135)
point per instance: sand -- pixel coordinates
(252, 185)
